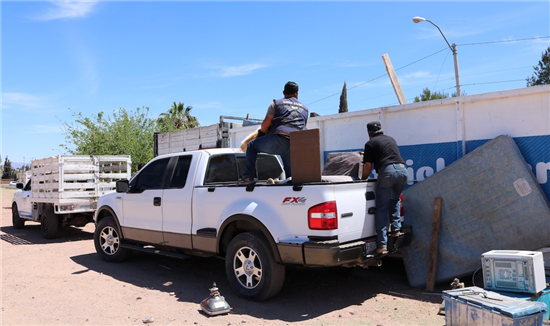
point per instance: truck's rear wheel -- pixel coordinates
(107, 241)
(17, 222)
(251, 267)
(49, 224)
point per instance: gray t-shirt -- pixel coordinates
(271, 109)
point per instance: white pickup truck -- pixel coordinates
(64, 189)
(189, 203)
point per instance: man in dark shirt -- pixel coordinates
(382, 152)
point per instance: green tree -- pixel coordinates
(343, 100)
(125, 133)
(428, 95)
(9, 172)
(541, 76)
(176, 118)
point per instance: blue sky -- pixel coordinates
(233, 58)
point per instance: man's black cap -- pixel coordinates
(373, 126)
(291, 88)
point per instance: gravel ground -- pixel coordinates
(63, 282)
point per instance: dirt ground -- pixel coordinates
(64, 282)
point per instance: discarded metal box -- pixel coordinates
(475, 306)
(491, 201)
(543, 296)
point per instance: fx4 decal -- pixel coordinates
(294, 201)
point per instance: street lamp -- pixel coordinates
(452, 47)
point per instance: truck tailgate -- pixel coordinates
(354, 221)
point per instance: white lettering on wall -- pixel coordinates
(424, 171)
(541, 172)
(410, 171)
(440, 164)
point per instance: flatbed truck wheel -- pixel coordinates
(49, 224)
(17, 222)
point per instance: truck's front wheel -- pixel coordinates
(251, 267)
(107, 241)
(17, 222)
(49, 224)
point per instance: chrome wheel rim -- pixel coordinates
(247, 267)
(109, 240)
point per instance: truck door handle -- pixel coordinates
(156, 201)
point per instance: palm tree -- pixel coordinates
(178, 117)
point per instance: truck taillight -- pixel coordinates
(323, 216)
(64, 208)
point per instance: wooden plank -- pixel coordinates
(192, 134)
(80, 176)
(192, 141)
(432, 262)
(164, 146)
(209, 145)
(177, 144)
(113, 168)
(394, 80)
(121, 175)
(192, 147)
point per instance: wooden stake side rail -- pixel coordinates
(188, 139)
(73, 177)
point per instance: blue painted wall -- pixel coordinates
(426, 159)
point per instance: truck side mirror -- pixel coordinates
(122, 185)
(19, 185)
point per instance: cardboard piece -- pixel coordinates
(305, 156)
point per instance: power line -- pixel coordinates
(506, 41)
(446, 48)
(363, 83)
(426, 57)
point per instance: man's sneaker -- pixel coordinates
(381, 250)
(396, 234)
(246, 182)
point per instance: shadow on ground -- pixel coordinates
(306, 294)
(31, 235)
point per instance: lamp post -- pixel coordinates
(452, 47)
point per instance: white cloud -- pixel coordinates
(68, 9)
(240, 70)
(21, 100)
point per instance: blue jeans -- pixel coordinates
(270, 144)
(391, 180)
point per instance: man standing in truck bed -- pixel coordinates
(382, 150)
(283, 117)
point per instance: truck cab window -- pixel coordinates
(28, 186)
(150, 177)
(179, 178)
(221, 168)
(268, 166)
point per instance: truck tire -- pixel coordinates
(251, 267)
(107, 241)
(17, 222)
(49, 224)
